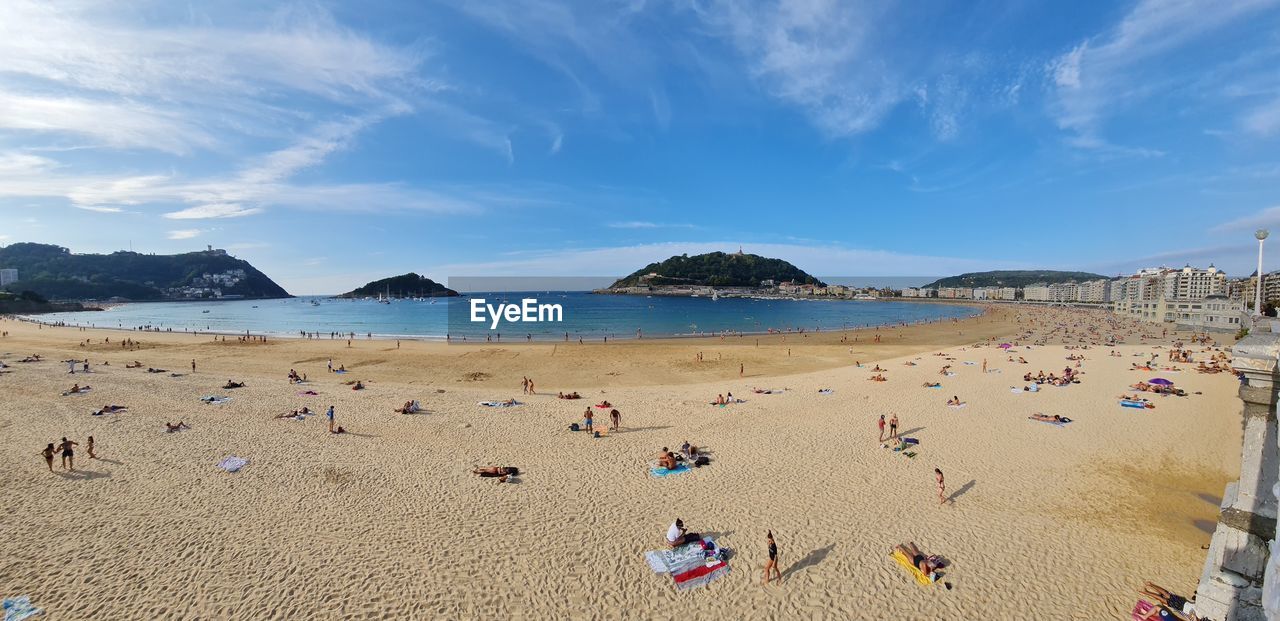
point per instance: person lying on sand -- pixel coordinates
(678, 535)
(572, 395)
(954, 401)
(690, 451)
(110, 409)
(503, 473)
(933, 385)
(155, 370)
(409, 407)
(230, 384)
(878, 378)
(358, 385)
(171, 428)
(1168, 605)
(926, 564)
(1049, 419)
(134, 365)
(604, 404)
(77, 388)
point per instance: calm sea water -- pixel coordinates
(585, 315)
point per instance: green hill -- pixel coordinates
(1012, 278)
(56, 273)
(716, 269)
(408, 285)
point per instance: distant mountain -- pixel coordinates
(408, 285)
(1012, 278)
(56, 273)
(716, 269)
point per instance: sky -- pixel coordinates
(331, 144)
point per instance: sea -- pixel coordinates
(582, 316)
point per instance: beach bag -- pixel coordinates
(701, 461)
(573, 426)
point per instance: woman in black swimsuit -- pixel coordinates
(48, 455)
(772, 563)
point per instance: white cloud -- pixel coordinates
(640, 224)
(1269, 217)
(1113, 71)
(212, 210)
(184, 234)
(1263, 120)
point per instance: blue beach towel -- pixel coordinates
(19, 608)
(663, 472)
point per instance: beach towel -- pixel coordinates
(233, 463)
(498, 404)
(701, 575)
(826, 391)
(78, 392)
(340, 371)
(968, 363)
(1135, 404)
(906, 563)
(938, 386)
(216, 400)
(1141, 608)
(958, 407)
(679, 559)
(663, 472)
(19, 608)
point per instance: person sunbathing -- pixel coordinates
(155, 370)
(1049, 419)
(604, 404)
(134, 365)
(955, 401)
(293, 414)
(508, 402)
(110, 409)
(719, 400)
(1167, 605)
(926, 564)
(230, 384)
(878, 378)
(933, 384)
(502, 473)
(667, 460)
(358, 385)
(572, 395)
(171, 428)
(409, 407)
(77, 389)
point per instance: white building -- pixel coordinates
(1064, 292)
(1096, 291)
(1191, 283)
(1008, 293)
(8, 276)
(955, 293)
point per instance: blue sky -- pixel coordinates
(334, 143)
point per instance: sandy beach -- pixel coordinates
(387, 521)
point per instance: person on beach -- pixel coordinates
(193, 365)
(171, 428)
(524, 385)
(926, 564)
(329, 414)
(666, 459)
(587, 417)
(942, 487)
(678, 535)
(893, 427)
(48, 455)
(881, 425)
(615, 420)
(331, 365)
(954, 401)
(1168, 605)
(502, 473)
(88, 447)
(772, 563)
(68, 455)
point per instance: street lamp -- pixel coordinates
(1261, 234)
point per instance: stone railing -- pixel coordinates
(1240, 565)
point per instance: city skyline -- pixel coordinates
(330, 146)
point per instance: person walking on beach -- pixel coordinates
(942, 486)
(48, 455)
(881, 425)
(331, 365)
(329, 415)
(524, 385)
(984, 365)
(615, 417)
(893, 427)
(740, 369)
(772, 563)
(193, 365)
(89, 447)
(68, 455)
(531, 390)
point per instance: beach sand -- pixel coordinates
(387, 521)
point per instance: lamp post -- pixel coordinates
(1261, 234)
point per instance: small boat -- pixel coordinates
(315, 303)
(255, 306)
(205, 310)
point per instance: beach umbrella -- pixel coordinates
(1161, 381)
(1005, 346)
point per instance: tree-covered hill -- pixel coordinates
(1012, 278)
(716, 269)
(408, 285)
(56, 273)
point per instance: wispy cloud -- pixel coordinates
(1113, 71)
(641, 224)
(184, 234)
(1269, 217)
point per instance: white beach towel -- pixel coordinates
(233, 463)
(216, 400)
(677, 560)
(957, 407)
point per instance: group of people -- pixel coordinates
(66, 448)
(688, 454)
